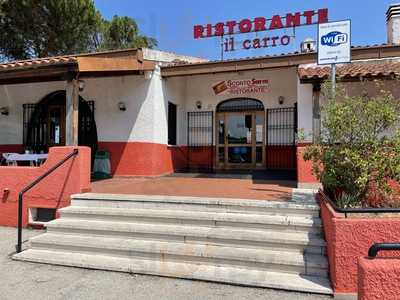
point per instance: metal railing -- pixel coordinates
(365, 210)
(29, 187)
(376, 248)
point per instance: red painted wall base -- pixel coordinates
(11, 148)
(151, 159)
(304, 168)
(53, 192)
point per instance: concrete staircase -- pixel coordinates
(247, 242)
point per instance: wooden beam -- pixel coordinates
(113, 64)
(72, 112)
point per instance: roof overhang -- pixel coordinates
(270, 62)
(103, 64)
(352, 72)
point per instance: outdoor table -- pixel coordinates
(34, 159)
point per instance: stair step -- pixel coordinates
(261, 259)
(195, 204)
(193, 217)
(233, 275)
(233, 237)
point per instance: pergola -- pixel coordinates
(71, 69)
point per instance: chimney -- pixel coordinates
(308, 45)
(393, 24)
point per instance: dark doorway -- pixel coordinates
(172, 123)
(44, 123)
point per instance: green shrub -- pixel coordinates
(355, 156)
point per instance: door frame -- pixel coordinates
(62, 110)
(226, 165)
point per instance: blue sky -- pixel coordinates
(171, 21)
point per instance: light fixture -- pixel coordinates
(281, 100)
(81, 85)
(199, 104)
(4, 111)
(148, 75)
(122, 106)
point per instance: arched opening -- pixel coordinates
(240, 104)
(240, 134)
(44, 123)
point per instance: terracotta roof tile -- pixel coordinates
(364, 69)
(38, 62)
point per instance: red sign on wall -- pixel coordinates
(259, 24)
(242, 86)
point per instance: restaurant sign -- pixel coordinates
(242, 86)
(227, 30)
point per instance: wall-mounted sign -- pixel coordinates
(334, 43)
(243, 86)
(227, 30)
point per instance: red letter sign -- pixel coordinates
(276, 23)
(198, 31)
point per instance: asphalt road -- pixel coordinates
(28, 281)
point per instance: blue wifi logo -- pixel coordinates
(334, 38)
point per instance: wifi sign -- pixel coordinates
(334, 38)
(334, 43)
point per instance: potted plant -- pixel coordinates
(357, 156)
(357, 160)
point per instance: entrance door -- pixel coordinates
(241, 143)
(56, 125)
(44, 123)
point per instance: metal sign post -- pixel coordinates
(333, 78)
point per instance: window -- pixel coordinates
(171, 124)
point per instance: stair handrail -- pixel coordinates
(29, 187)
(373, 251)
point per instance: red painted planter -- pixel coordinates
(53, 192)
(348, 239)
(378, 278)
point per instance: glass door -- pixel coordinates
(240, 140)
(56, 126)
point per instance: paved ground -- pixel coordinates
(203, 186)
(21, 280)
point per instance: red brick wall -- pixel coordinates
(53, 192)
(348, 239)
(378, 278)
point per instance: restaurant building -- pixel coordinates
(158, 112)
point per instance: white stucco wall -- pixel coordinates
(146, 100)
(13, 97)
(175, 92)
(283, 82)
(305, 111)
(144, 120)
